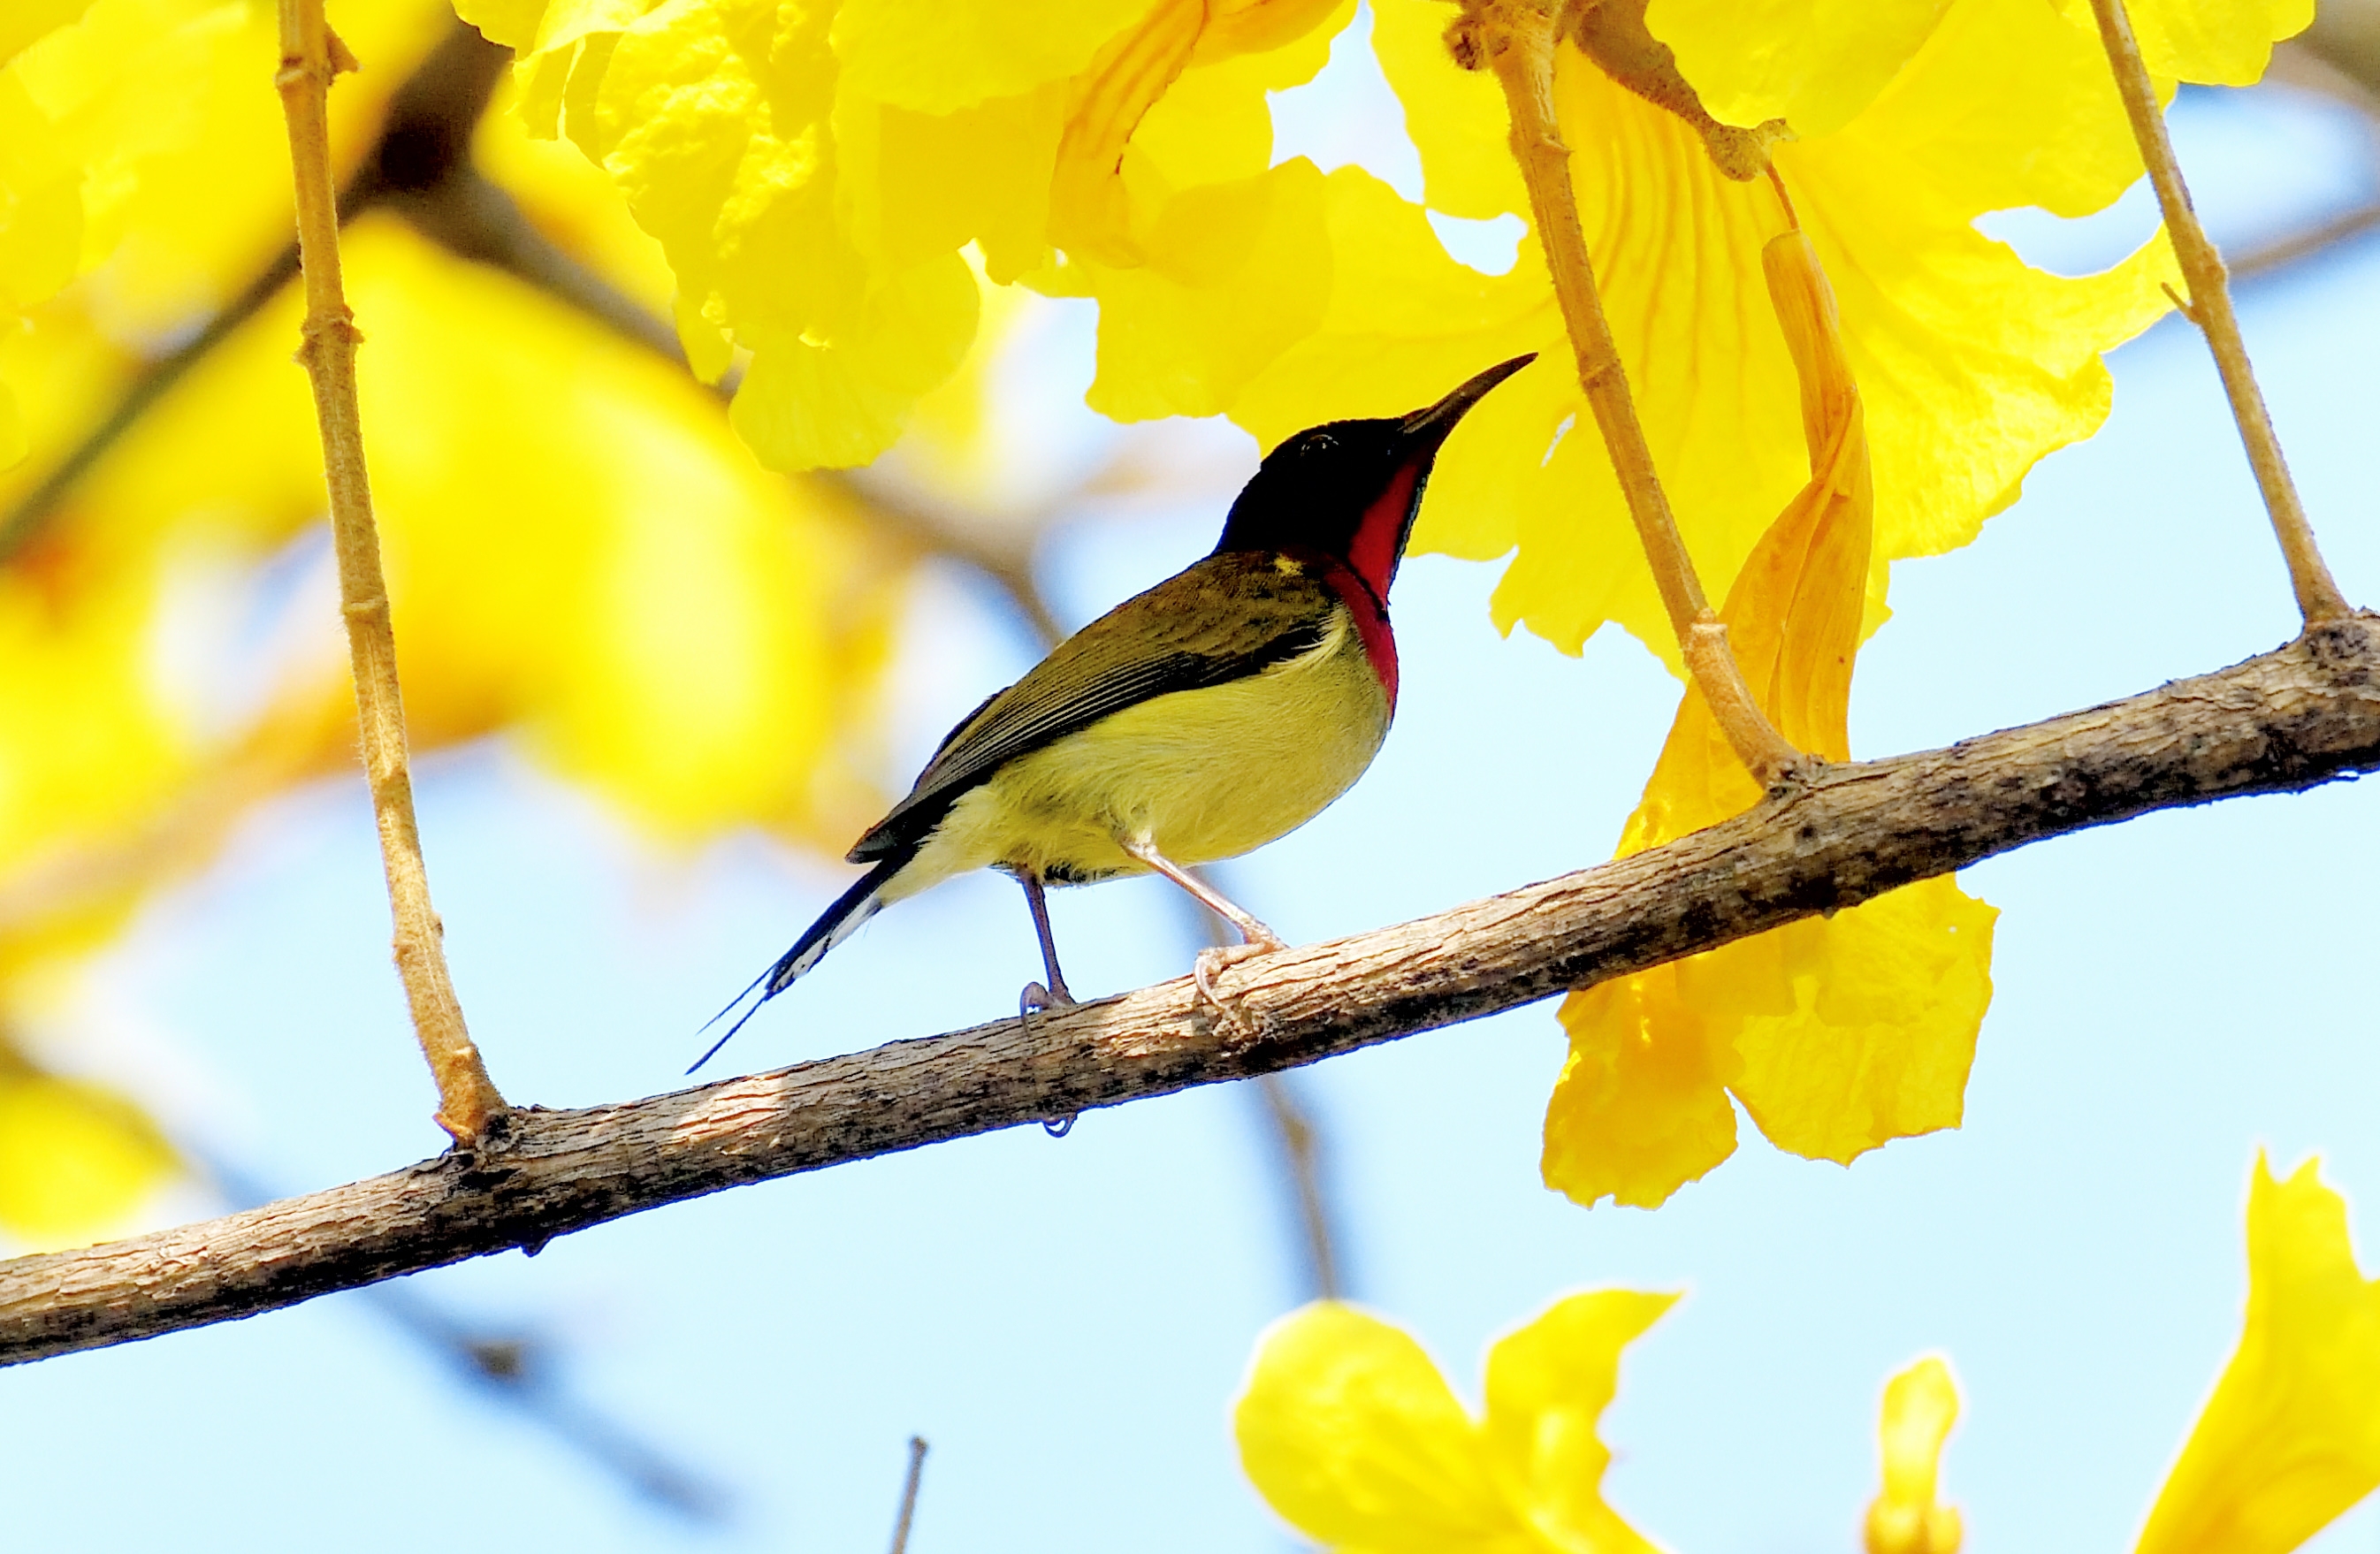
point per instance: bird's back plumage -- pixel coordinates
(1168, 640)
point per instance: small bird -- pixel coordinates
(1223, 709)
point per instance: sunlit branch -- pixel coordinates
(310, 55)
(1514, 39)
(2210, 308)
(2305, 714)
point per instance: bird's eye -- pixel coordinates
(1320, 443)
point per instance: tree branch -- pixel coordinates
(2305, 714)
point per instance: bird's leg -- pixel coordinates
(1037, 996)
(1261, 940)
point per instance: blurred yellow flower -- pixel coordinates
(74, 1158)
(581, 553)
(1352, 1434)
(1919, 1406)
(815, 181)
(2290, 1438)
(1838, 1033)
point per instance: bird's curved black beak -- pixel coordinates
(1428, 428)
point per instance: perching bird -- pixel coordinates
(1223, 708)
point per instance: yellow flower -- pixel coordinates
(814, 180)
(1972, 364)
(74, 1159)
(1836, 1033)
(1919, 1406)
(2291, 1438)
(1817, 65)
(1350, 1433)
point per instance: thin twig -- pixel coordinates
(2209, 307)
(311, 55)
(510, 1368)
(1297, 1141)
(2305, 714)
(909, 1494)
(1515, 40)
(2282, 253)
(1301, 1165)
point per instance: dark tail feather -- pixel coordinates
(836, 924)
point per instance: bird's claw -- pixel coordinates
(1036, 996)
(1221, 958)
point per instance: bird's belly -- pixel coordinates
(1202, 775)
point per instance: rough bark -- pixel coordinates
(2305, 714)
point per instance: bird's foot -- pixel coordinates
(1221, 958)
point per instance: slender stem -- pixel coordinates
(909, 1494)
(1515, 39)
(2210, 308)
(310, 55)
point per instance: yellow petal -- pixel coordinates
(1882, 1005)
(1919, 1406)
(2291, 1438)
(843, 400)
(1138, 129)
(74, 1159)
(1236, 274)
(1090, 213)
(1455, 118)
(2217, 42)
(27, 20)
(1548, 1386)
(1814, 63)
(1641, 1106)
(934, 56)
(1403, 320)
(1349, 1431)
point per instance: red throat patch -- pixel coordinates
(1371, 621)
(1373, 552)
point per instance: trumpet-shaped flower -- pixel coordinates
(1838, 1033)
(1973, 365)
(1354, 1436)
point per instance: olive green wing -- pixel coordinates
(1229, 617)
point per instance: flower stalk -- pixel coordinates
(1515, 40)
(2209, 308)
(468, 1104)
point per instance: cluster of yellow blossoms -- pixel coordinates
(1354, 1436)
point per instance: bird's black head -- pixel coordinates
(1351, 489)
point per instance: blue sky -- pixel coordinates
(1066, 1320)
